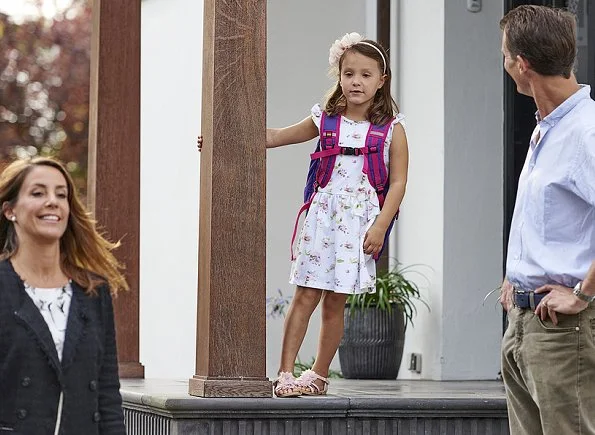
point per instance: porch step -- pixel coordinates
(356, 407)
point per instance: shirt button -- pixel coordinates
(26, 381)
(96, 416)
(21, 414)
(93, 385)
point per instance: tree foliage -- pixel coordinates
(44, 87)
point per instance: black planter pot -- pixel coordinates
(372, 344)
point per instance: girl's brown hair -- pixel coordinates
(383, 106)
(85, 255)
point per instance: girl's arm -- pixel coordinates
(277, 137)
(297, 133)
(398, 167)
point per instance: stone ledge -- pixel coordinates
(169, 398)
(354, 408)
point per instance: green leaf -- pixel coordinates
(394, 288)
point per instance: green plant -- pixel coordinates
(276, 305)
(393, 287)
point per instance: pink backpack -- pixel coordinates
(323, 161)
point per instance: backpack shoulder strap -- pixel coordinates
(329, 138)
(374, 165)
(321, 165)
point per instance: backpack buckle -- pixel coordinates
(349, 151)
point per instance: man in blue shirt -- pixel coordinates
(548, 350)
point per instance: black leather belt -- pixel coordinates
(527, 298)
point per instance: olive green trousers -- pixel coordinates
(549, 373)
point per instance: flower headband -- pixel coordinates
(346, 42)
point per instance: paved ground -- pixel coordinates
(418, 389)
(353, 407)
(345, 388)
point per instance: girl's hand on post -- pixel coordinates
(270, 138)
(199, 143)
(373, 240)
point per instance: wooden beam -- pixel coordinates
(383, 38)
(383, 23)
(231, 339)
(114, 155)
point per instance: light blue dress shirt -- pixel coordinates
(552, 235)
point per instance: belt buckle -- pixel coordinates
(515, 293)
(531, 295)
(523, 292)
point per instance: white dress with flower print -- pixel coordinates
(329, 254)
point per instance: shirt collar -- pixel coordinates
(569, 104)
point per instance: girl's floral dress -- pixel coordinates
(329, 254)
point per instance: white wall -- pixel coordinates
(171, 62)
(419, 230)
(170, 120)
(473, 191)
(449, 76)
(451, 93)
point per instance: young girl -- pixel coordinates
(344, 227)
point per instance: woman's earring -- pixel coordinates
(13, 218)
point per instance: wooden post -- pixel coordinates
(383, 20)
(114, 155)
(231, 339)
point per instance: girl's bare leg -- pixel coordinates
(331, 332)
(302, 306)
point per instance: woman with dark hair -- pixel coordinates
(58, 362)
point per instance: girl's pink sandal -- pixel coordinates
(285, 386)
(308, 386)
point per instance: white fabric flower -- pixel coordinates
(340, 45)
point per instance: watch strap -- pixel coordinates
(579, 294)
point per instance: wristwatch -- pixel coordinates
(579, 294)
